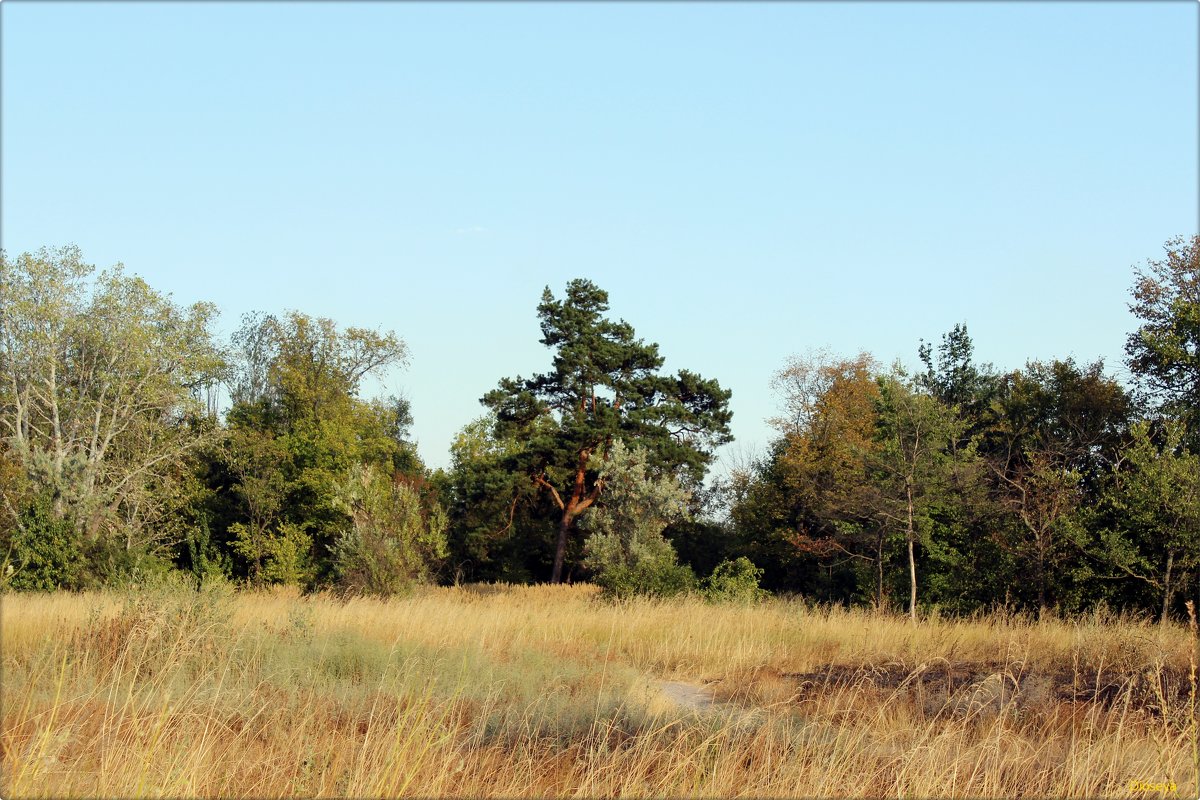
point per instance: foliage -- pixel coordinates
(829, 439)
(1052, 434)
(734, 582)
(98, 398)
(396, 540)
(44, 552)
(625, 548)
(1164, 352)
(604, 385)
(498, 526)
(205, 558)
(919, 460)
(1156, 493)
(1043, 488)
(296, 428)
(282, 554)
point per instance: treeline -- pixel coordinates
(134, 445)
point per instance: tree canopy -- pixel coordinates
(134, 446)
(604, 384)
(1164, 352)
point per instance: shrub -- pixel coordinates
(734, 582)
(625, 548)
(112, 562)
(283, 555)
(664, 578)
(45, 552)
(395, 540)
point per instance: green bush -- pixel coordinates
(663, 578)
(625, 548)
(111, 563)
(734, 582)
(45, 552)
(282, 554)
(396, 538)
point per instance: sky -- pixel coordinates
(747, 181)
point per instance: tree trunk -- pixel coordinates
(912, 561)
(1167, 586)
(1041, 582)
(580, 500)
(912, 575)
(560, 550)
(879, 591)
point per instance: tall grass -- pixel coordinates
(546, 691)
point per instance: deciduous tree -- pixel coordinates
(1157, 494)
(98, 393)
(1164, 352)
(913, 469)
(625, 547)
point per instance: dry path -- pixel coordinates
(701, 700)
(688, 695)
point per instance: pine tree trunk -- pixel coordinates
(560, 550)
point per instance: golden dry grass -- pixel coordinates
(545, 691)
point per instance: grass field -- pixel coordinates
(547, 691)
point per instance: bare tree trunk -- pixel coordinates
(1167, 586)
(879, 571)
(912, 561)
(1041, 581)
(912, 575)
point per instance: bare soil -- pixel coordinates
(1158, 691)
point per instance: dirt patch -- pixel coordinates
(702, 700)
(1157, 691)
(688, 695)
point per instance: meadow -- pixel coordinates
(550, 691)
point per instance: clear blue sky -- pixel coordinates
(746, 180)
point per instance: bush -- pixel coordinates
(45, 552)
(625, 548)
(282, 555)
(396, 538)
(112, 563)
(648, 578)
(734, 582)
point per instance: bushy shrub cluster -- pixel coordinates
(734, 581)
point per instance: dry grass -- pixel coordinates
(544, 691)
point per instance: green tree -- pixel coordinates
(296, 428)
(1164, 352)
(953, 377)
(45, 553)
(765, 517)
(1049, 438)
(1156, 493)
(98, 396)
(496, 518)
(625, 548)
(914, 469)
(1043, 494)
(604, 384)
